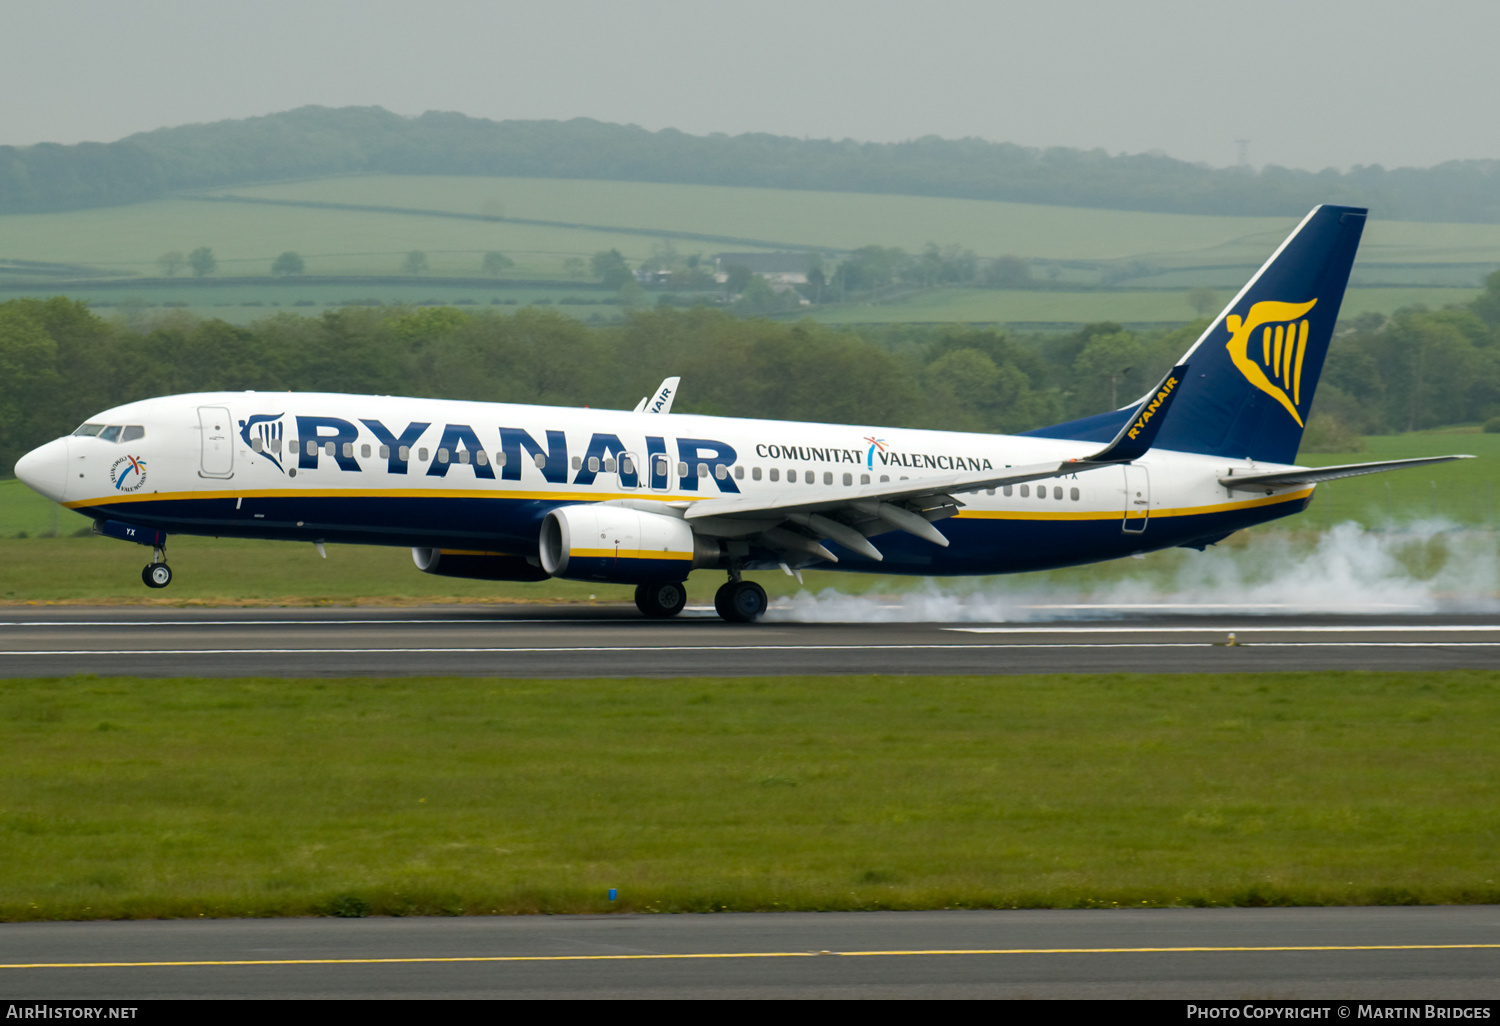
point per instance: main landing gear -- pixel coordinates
(156, 574)
(661, 599)
(738, 601)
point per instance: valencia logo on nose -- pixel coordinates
(1283, 346)
(128, 474)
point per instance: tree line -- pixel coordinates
(60, 363)
(312, 141)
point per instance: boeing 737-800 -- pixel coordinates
(522, 493)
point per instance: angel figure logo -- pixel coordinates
(1283, 346)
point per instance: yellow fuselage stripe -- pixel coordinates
(972, 514)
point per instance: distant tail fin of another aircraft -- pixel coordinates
(1249, 390)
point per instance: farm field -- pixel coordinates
(246, 304)
(633, 216)
(132, 798)
(1143, 307)
(842, 220)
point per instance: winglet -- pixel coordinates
(1140, 431)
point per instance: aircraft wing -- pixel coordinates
(851, 516)
(1312, 475)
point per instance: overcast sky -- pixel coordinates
(1311, 83)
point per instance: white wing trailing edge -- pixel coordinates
(1312, 475)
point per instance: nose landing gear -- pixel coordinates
(156, 574)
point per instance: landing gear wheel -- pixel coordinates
(661, 599)
(156, 575)
(741, 601)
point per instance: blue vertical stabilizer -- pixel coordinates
(1250, 387)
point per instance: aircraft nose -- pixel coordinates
(45, 469)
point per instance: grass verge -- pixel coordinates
(127, 798)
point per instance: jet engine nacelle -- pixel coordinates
(481, 566)
(610, 543)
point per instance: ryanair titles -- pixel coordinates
(1151, 407)
(872, 458)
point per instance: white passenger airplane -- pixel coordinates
(523, 493)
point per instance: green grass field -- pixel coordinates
(129, 798)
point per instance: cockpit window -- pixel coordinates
(112, 433)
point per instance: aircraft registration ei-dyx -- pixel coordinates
(522, 493)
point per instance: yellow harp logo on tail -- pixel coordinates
(1280, 349)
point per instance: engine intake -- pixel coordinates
(611, 543)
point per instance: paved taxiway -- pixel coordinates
(1347, 953)
(604, 641)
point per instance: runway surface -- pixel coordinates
(607, 641)
(1338, 953)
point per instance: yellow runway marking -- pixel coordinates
(757, 954)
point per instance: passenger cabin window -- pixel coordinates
(255, 445)
(828, 477)
(1073, 494)
(482, 458)
(1025, 491)
(1006, 490)
(1057, 492)
(721, 472)
(499, 459)
(364, 452)
(421, 455)
(864, 479)
(442, 455)
(539, 460)
(739, 473)
(403, 453)
(848, 480)
(577, 462)
(775, 474)
(593, 464)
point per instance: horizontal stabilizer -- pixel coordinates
(1140, 431)
(1312, 475)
